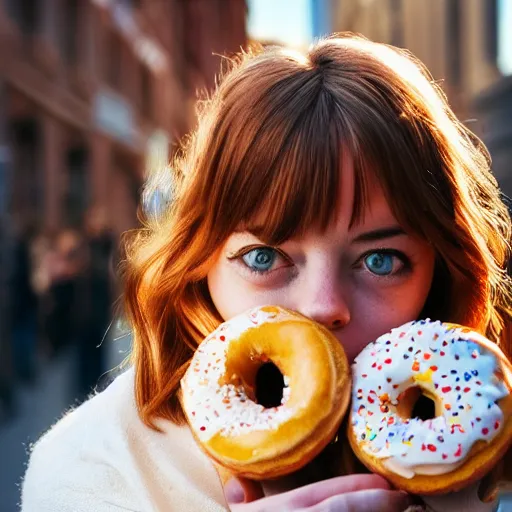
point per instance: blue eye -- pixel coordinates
(380, 263)
(261, 259)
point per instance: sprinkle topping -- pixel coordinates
(461, 377)
(225, 408)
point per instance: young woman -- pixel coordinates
(337, 183)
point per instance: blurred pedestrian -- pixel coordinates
(94, 301)
(7, 392)
(42, 253)
(23, 306)
(61, 267)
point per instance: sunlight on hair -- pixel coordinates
(159, 187)
(268, 147)
(296, 55)
(158, 192)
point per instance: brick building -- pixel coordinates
(86, 85)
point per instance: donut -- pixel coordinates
(431, 406)
(266, 392)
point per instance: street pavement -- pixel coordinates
(38, 408)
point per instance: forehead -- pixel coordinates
(373, 207)
(373, 210)
(357, 207)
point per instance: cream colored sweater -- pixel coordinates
(100, 457)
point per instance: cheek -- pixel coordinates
(230, 293)
(377, 314)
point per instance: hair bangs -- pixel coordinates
(302, 192)
(291, 178)
(396, 149)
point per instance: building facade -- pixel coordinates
(460, 43)
(87, 87)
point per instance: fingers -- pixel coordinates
(241, 490)
(352, 492)
(315, 493)
(365, 501)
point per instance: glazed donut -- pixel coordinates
(244, 426)
(431, 406)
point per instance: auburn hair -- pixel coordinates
(269, 144)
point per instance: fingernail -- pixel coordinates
(234, 491)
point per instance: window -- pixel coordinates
(132, 4)
(26, 13)
(69, 31)
(12, 7)
(453, 20)
(113, 60)
(397, 38)
(28, 180)
(491, 29)
(77, 197)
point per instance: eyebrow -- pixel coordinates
(380, 234)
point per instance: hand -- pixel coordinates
(364, 493)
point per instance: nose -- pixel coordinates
(325, 303)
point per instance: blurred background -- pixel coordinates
(96, 93)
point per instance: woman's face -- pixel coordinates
(358, 281)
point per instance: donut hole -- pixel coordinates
(414, 403)
(424, 408)
(269, 385)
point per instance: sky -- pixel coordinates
(280, 21)
(505, 36)
(289, 22)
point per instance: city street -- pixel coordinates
(38, 407)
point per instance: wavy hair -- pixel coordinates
(269, 144)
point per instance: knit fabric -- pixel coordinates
(100, 457)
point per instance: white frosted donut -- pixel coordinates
(219, 394)
(469, 381)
